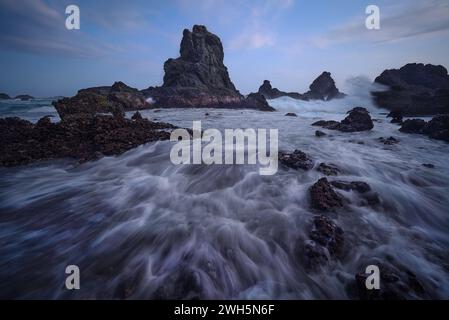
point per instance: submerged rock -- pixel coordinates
(296, 160)
(291, 114)
(359, 186)
(319, 133)
(328, 169)
(388, 141)
(83, 138)
(327, 234)
(323, 197)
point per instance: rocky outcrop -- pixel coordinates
(83, 138)
(323, 197)
(24, 97)
(358, 120)
(413, 126)
(4, 96)
(296, 160)
(273, 93)
(323, 88)
(415, 90)
(199, 78)
(437, 128)
(115, 99)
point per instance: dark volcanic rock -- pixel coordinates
(415, 89)
(438, 128)
(358, 119)
(4, 96)
(327, 234)
(291, 114)
(323, 197)
(413, 126)
(429, 165)
(24, 97)
(328, 169)
(296, 160)
(388, 141)
(359, 186)
(199, 78)
(272, 93)
(256, 101)
(396, 115)
(323, 88)
(84, 138)
(396, 283)
(319, 133)
(115, 99)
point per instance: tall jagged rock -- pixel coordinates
(199, 78)
(414, 90)
(323, 88)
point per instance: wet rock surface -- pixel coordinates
(273, 93)
(358, 119)
(83, 138)
(327, 234)
(388, 141)
(296, 160)
(359, 186)
(323, 197)
(437, 128)
(328, 169)
(291, 114)
(320, 134)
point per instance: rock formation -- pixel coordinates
(415, 90)
(24, 97)
(272, 93)
(4, 96)
(437, 128)
(323, 88)
(358, 119)
(296, 160)
(83, 138)
(115, 99)
(199, 78)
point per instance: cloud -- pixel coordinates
(398, 22)
(252, 40)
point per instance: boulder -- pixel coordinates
(413, 126)
(320, 134)
(115, 99)
(296, 160)
(438, 128)
(415, 89)
(323, 197)
(323, 88)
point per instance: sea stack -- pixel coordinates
(323, 88)
(198, 78)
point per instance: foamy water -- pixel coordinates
(141, 227)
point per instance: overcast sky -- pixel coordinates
(289, 42)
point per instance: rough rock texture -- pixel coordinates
(4, 96)
(24, 97)
(358, 119)
(413, 126)
(272, 93)
(327, 234)
(84, 138)
(323, 197)
(199, 78)
(415, 89)
(296, 160)
(359, 186)
(397, 282)
(328, 169)
(115, 99)
(323, 88)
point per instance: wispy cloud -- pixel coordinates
(405, 20)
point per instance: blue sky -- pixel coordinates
(289, 42)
